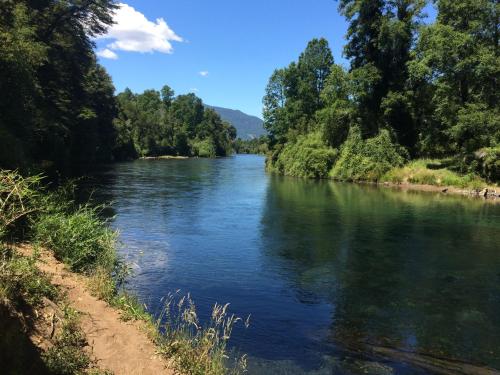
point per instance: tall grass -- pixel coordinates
(197, 349)
(432, 172)
(80, 239)
(21, 282)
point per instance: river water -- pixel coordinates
(328, 271)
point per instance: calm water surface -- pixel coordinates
(321, 267)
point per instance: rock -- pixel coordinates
(444, 190)
(484, 193)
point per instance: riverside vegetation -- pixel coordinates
(413, 92)
(78, 237)
(61, 109)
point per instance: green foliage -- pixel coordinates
(307, 157)
(158, 123)
(205, 148)
(367, 160)
(488, 165)
(60, 103)
(67, 355)
(432, 87)
(18, 202)
(252, 146)
(21, 280)
(432, 172)
(293, 94)
(458, 55)
(80, 238)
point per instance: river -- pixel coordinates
(322, 267)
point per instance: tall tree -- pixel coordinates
(459, 55)
(50, 72)
(380, 37)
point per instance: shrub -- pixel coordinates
(68, 356)
(204, 148)
(367, 160)
(488, 165)
(307, 157)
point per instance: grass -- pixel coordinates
(21, 282)
(80, 238)
(195, 348)
(67, 355)
(432, 172)
(24, 289)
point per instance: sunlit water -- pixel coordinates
(322, 267)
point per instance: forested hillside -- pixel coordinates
(411, 91)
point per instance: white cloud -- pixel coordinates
(204, 73)
(107, 54)
(133, 32)
(194, 89)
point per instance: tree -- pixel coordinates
(57, 92)
(314, 67)
(380, 37)
(459, 56)
(274, 103)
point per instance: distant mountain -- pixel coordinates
(248, 127)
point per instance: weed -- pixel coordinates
(21, 280)
(67, 355)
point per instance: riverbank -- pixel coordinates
(431, 175)
(165, 157)
(110, 343)
(489, 193)
(63, 298)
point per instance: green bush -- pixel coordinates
(489, 163)
(80, 239)
(307, 157)
(367, 160)
(204, 148)
(67, 356)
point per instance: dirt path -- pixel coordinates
(118, 346)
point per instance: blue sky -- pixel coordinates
(223, 50)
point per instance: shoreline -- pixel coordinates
(165, 157)
(488, 193)
(113, 342)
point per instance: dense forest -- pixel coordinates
(58, 104)
(158, 123)
(258, 145)
(59, 107)
(413, 90)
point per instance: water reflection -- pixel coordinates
(406, 270)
